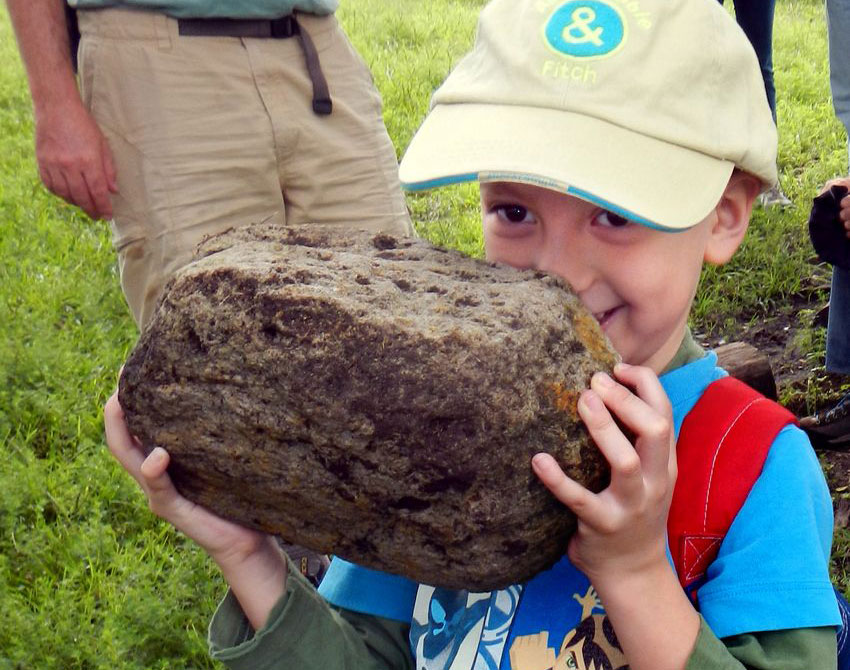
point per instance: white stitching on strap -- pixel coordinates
(716, 452)
(689, 542)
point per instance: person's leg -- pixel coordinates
(838, 28)
(838, 326)
(834, 423)
(192, 142)
(195, 149)
(339, 169)
(756, 20)
(832, 426)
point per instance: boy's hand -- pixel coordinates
(220, 538)
(622, 529)
(844, 213)
(251, 562)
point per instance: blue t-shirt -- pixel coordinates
(771, 573)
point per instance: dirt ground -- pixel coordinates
(776, 336)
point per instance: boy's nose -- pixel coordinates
(568, 260)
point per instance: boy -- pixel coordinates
(620, 145)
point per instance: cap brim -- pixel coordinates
(647, 180)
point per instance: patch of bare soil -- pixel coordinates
(795, 372)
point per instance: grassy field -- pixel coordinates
(88, 578)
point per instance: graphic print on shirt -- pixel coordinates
(512, 629)
(458, 630)
(592, 645)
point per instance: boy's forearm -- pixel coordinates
(304, 632)
(258, 580)
(656, 625)
(42, 34)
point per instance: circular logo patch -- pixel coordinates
(585, 29)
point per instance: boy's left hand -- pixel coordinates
(622, 529)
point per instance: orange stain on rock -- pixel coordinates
(565, 399)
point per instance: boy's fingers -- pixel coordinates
(163, 498)
(646, 411)
(625, 462)
(155, 465)
(123, 446)
(572, 494)
(646, 385)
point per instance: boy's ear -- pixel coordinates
(732, 217)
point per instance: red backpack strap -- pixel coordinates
(721, 450)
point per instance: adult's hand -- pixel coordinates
(74, 159)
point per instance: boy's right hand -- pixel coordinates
(621, 529)
(251, 562)
(621, 540)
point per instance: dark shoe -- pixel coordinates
(821, 317)
(830, 428)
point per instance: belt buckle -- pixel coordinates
(284, 27)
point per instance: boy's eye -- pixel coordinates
(513, 213)
(607, 218)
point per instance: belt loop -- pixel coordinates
(322, 103)
(164, 28)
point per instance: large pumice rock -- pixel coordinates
(372, 397)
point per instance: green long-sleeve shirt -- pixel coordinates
(305, 633)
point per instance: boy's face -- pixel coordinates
(638, 282)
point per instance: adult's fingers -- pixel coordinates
(54, 180)
(73, 187)
(101, 205)
(80, 194)
(102, 179)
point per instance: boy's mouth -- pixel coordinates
(603, 318)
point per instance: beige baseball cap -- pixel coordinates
(641, 106)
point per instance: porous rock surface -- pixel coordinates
(372, 397)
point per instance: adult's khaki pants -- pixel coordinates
(209, 133)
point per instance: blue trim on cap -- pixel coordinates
(611, 207)
(442, 181)
(570, 190)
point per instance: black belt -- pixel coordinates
(282, 28)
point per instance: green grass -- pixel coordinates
(88, 578)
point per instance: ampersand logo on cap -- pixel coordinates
(586, 29)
